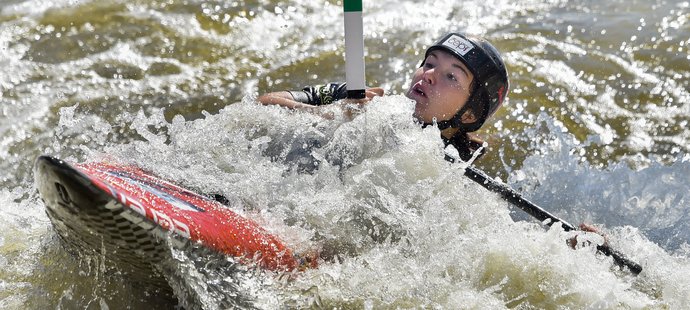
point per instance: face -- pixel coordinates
(440, 87)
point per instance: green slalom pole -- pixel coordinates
(354, 49)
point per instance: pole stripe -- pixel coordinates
(352, 5)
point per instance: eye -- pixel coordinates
(452, 77)
(428, 65)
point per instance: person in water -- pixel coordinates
(460, 84)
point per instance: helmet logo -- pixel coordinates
(458, 44)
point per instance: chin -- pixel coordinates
(419, 116)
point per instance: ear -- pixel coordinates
(468, 117)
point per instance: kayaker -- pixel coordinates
(461, 82)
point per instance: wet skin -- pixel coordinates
(440, 88)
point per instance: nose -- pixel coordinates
(429, 76)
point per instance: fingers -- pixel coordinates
(594, 229)
(370, 93)
(374, 91)
(589, 228)
(352, 107)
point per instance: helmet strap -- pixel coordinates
(456, 121)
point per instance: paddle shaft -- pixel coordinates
(354, 49)
(540, 214)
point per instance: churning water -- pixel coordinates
(595, 130)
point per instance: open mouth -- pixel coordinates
(418, 90)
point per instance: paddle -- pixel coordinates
(354, 49)
(540, 214)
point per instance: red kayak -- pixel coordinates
(132, 217)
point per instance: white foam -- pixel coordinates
(420, 231)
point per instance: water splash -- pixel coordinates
(400, 224)
(649, 196)
(375, 191)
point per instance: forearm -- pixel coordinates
(317, 100)
(284, 99)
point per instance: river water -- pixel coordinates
(595, 130)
